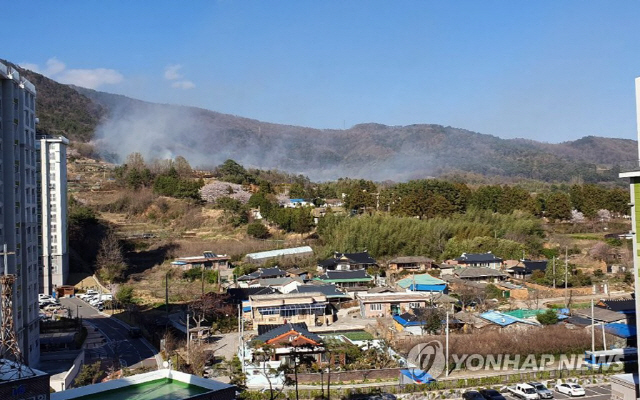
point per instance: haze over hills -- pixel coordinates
(119, 125)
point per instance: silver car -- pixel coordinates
(542, 390)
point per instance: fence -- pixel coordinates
(448, 388)
(349, 376)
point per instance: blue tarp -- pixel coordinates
(428, 288)
(499, 318)
(621, 330)
(404, 322)
(417, 375)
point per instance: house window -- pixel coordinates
(414, 305)
(375, 307)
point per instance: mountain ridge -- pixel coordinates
(119, 125)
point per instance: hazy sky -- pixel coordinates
(547, 70)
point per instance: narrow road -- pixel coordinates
(131, 352)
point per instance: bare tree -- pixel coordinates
(135, 160)
(110, 261)
(182, 167)
(469, 295)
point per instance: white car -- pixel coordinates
(572, 389)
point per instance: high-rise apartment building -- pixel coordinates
(52, 211)
(18, 204)
(634, 187)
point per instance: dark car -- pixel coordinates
(472, 395)
(490, 394)
(135, 332)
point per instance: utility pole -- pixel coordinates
(593, 329)
(566, 275)
(446, 357)
(202, 280)
(554, 272)
(166, 294)
(604, 338)
(188, 340)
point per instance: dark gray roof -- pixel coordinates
(263, 273)
(354, 258)
(410, 260)
(238, 295)
(330, 291)
(356, 274)
(619, 305)
(273, 331)
(473, 258)
(537, 265)
(599, 314)
(578, 321)
(479, 272)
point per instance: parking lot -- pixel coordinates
(592, 393)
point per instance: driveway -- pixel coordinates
(131, 352)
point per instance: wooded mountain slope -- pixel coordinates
(120, 125)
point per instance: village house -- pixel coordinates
(282, 344)
(415, 321)
(290, 254)
(331, 292)
(347, 262)
(505, 322)
(357, 280)
(239, 295)
(525, 268)
(381, 305)
(208, 260)
(623, 306)
(311, 308)
(422, 283)
(486, 260)
(282, 284)
(411, 264)
(260, 273)
(289, 339)
(298, 273)
(294, 203)
(479, 274)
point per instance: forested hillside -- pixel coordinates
(118, 125)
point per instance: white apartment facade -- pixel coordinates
(52, 211)
(18, 204)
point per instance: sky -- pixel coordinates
(546, 70)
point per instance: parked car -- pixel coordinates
(524, 391)
(491, 394)
(542, 390)
(571, 389)
(472, 395)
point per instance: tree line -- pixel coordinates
(172, 178)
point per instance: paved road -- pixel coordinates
(592, 393)
(131, 352)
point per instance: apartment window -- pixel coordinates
(375, 307)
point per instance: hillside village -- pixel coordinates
(253, 254)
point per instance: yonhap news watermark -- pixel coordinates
(430, 357)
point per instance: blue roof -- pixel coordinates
(621, 330)
(501, 319)
(296, 200)
(417, 375)
(428, 288)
